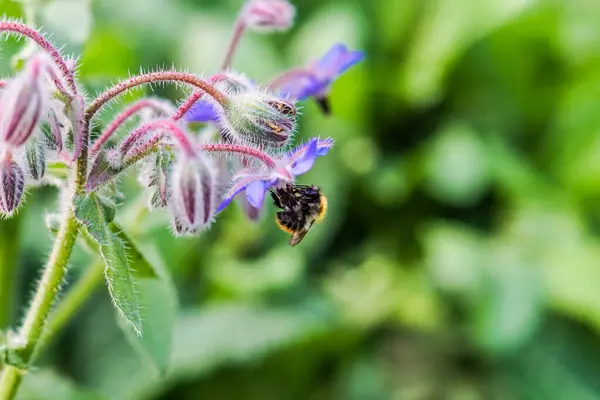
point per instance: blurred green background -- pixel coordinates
(460, 258)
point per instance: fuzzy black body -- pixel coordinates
(301, 206)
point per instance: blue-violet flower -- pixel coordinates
(257, 181)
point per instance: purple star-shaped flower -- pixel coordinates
(315, 80)
(300, 83)
(257, 181)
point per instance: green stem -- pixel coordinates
(73, 300)
(9, 261)
(37, 315)
(10, 382)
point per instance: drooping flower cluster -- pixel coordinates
(244, 145)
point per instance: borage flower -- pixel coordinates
(257, 181)
(316, 79)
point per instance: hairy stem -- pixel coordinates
(9, 260)
(239, 149)
(167, 126)
(73, 301)
(194, 97)
(122, 118)
(238, 32)
(152, 77)
(35, 321)
(24, 30)
(124, 86)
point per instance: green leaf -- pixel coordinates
(218, 336)
(121, 285)
(95, 213)
(158, 296)
(48, 385)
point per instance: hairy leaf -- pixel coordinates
(95, 213)
(158, 296)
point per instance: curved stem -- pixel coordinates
(160, 76)
(122, 87)
(168, 125)
(238, 32)
(121, 118)
(238, 149)
(15, 27)
(37, 315)
(194, 97)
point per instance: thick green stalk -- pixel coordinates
(74, 300)
(9, 261)
(10, 382)
(48, 288)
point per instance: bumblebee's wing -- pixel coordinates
(297, 237)
(299, 234)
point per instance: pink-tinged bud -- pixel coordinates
(193, 194)
(23, 103)
(12, 183)
(268, 15)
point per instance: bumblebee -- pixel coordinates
(302, 206)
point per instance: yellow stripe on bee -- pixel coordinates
(323, 209)
(283, 227)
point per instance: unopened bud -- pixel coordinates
(23, 103)
(12, 183)
(36, 159)
(261, 119)
(102, 170)
(155, 174)
(193, 194)
(268, 15)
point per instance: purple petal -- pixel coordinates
(202, 111)
(255, 193)
(235, 189)
(349, 60)
(331, 59)
(335, 62)
(307, 160)
(323, 146)
(303, 87)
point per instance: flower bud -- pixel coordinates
(103, 169)
(155, 174)
(268, 15)
(259, 119)
(36, 159)
(193, 194)
(23, 103)
(12, 183)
